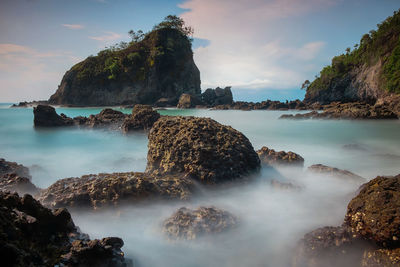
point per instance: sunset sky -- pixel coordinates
(262, 48)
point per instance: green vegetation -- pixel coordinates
(132, 61)
(382, 44)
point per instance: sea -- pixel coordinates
(271, 221)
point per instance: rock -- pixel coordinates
(330, 246)
(143, 117)
(94, 191)
(381, 258)
(375, 212)
(159, 66)
(284, 186)
(46, 116)
(271, 157)
(32, 235)
(165, 102)
(335, 172)
(357, 147)
(188, 101)
(217, 96)
(107, 118)
(190, 224)
(200, 148)
(15, 178)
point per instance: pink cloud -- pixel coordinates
(73, 26)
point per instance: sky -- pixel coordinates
(264, 49)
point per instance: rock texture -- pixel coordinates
(94, 191)
(143, 117)
(375, 212)
(200, 148)
(159, 66)
(31, 235)
(188, 101)
(381, 258)
(15, 178)
(337, 173)
(190, 224)
(265, 105)
(217, 96)
(271, 157)
(46, 116)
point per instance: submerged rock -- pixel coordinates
(375, 212)
(115, 188)
(143, 117)
(284, 185)
(15, 177)
(271, 157)
(189, 224)
(335, 172)
(32, 235)
(46, 116)
(200, 148)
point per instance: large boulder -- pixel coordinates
(32, 235)
(271, 157)
(189, 224)
(201, 148)
(188, 101)
(375, 212)
(337, 173)
(46, 116)
(143, 117)
(15, 177)
(217, 96)
(94, 191)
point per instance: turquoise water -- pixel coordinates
(271, 221)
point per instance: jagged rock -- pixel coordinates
(271, 157)
(335, 172)
(107, 118)
(330, 247)
(381, 258)
(201, 148)
(15, 178)
(165, 102)
(32, 235)
(112, 189)
(188, 101)
(143, 117)
(189, 224)
(217, 96)
(375, 212)
(46, 116)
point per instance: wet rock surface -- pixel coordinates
(190, 224)
(46, 116)
(354, 110)
(188, 101)
(15, 177)
(271, 157)
(284, 185)
(218, 96)
(381, 258)
(94, 191)
(335, 172)
(143, 117)
(375, 212)
(32, 235)
(200, 148)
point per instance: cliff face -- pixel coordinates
(368, 73)
(159, 66)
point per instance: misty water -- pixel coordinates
(270, 221)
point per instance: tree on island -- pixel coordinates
(175, 22)
(305, 85)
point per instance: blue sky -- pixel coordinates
(262, 48)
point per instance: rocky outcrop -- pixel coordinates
(354, 110)
(15, 178)
(32, 235)
(188, 101)
(375, 212)
(337, 173)
(217, 96)
(190, 224)
(46, 116)
(200, 148)
(271, 157)
(143, 117)
(264, 105)
(159, 66)
(102, 190)
(381, 258)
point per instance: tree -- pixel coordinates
(136, 36)
(175, 22)
(348, 49)
(305, 85)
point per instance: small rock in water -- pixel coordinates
(271, 157)
(335, 172)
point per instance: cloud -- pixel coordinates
(28, 74)
(248, 45)
(73, 26)
(109, 36)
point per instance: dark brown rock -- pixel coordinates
(15, 178)
(188, 101)
(375, 212)
(143, 117)
(104, 189)
(107, 118)
(271, 157)
(200, 148)
(190, 224)
(46, 116)
(32, 235)
(217, 96)
(381, 258)
(335, 172)
(284, 185)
